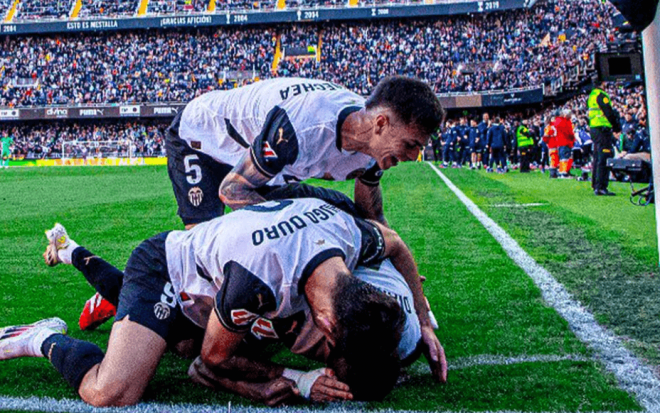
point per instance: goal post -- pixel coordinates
(98, 149)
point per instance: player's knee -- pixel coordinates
(109, 393)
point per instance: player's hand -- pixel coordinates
(278, 392)
(201, 374)
(435, 354)
(327, 388)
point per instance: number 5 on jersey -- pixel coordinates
(193, 171)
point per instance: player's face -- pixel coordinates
(395, 142)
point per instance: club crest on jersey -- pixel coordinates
(263, 328)
(195, 195)
(242, 317)
(269, 153)
(161, 311)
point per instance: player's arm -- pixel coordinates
(393, 247)
(274, 148)
(299, 190)
(369, 201)
(368, 195)
(239, 188)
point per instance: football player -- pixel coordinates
(226, 144)
(274, 260)
(299, 333)
(302, 336)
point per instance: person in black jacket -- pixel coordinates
(495, 142)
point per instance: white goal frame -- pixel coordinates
(100, 149)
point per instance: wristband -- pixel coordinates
(304, 380)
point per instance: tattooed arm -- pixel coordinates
(239, 188)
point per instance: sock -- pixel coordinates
(103, 276)
(65, 253)
(72, 358)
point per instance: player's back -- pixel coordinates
(274, 242)
(223, 124)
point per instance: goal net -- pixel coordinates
(90, 150)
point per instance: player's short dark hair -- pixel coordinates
(412, 100)
(367, 335)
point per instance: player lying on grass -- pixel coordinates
(298, 332)
(304, 259)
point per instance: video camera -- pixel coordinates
(637, 171)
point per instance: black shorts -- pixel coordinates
(196, 178)
(147, 296)
(565, 152)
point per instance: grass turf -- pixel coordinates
(485, 304)
(603, 249)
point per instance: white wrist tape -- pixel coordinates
(304, 380)
(434, 322)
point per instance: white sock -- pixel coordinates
(65, 253)
(38, 340)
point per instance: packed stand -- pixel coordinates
(4, 7)
(309, 4)
(224, 5)
(108, 8)
(497, 51)
(177, 6)
(43, 10)
(132, 67)
(44, 140)
(465, 53)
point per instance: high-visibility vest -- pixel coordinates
(523, 138)
(597, 118)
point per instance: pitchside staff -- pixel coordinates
(603, 120)
(282, 130)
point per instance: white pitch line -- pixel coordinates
(47, 404)
(633, 375)
(495, 360)
(51, 405)
(517, 205)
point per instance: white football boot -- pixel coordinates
(26, 340)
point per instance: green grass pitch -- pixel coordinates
(604, 250)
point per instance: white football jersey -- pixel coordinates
(255, 261)
(387, 279)
(290, 126)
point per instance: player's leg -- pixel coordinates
(195, 178)
(146, 318)
(103, 276)
(121, 378)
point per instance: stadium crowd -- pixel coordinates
(490, 52)
(44, 139)
(176, 6)
(108, 8)
(40, 10)
(132, 67)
